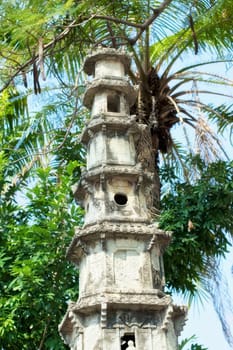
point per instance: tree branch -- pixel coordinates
(111, 32)
(118, 21)
(156, 12)
(151, 19)
(44, 335)
(36, 57)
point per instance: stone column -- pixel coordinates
(118, 250)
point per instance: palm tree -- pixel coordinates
(157, 34)
(42, 50)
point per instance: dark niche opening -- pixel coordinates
(120, 198)
(129, 337)
(113, 103)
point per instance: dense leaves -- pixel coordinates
(36, 280)
(200, 215)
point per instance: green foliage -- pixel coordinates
(36, 280)
(200, 215)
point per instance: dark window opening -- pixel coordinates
(126, 339)
(113, 103)
(120, 198)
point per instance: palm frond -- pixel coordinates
(223, 116)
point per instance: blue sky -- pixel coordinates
(204, 322)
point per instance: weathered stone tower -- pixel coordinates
(119, 250)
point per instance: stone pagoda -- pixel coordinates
(119, 250)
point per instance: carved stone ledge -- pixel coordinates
(135, 228)
(89, 177)
(120, 85)
(103, 54)
(146, 300)
(113, 170)
(106, 230)
(119, 122)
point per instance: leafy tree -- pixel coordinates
(194, 212)
(37, 220)
(42, 47)
(36, 280)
